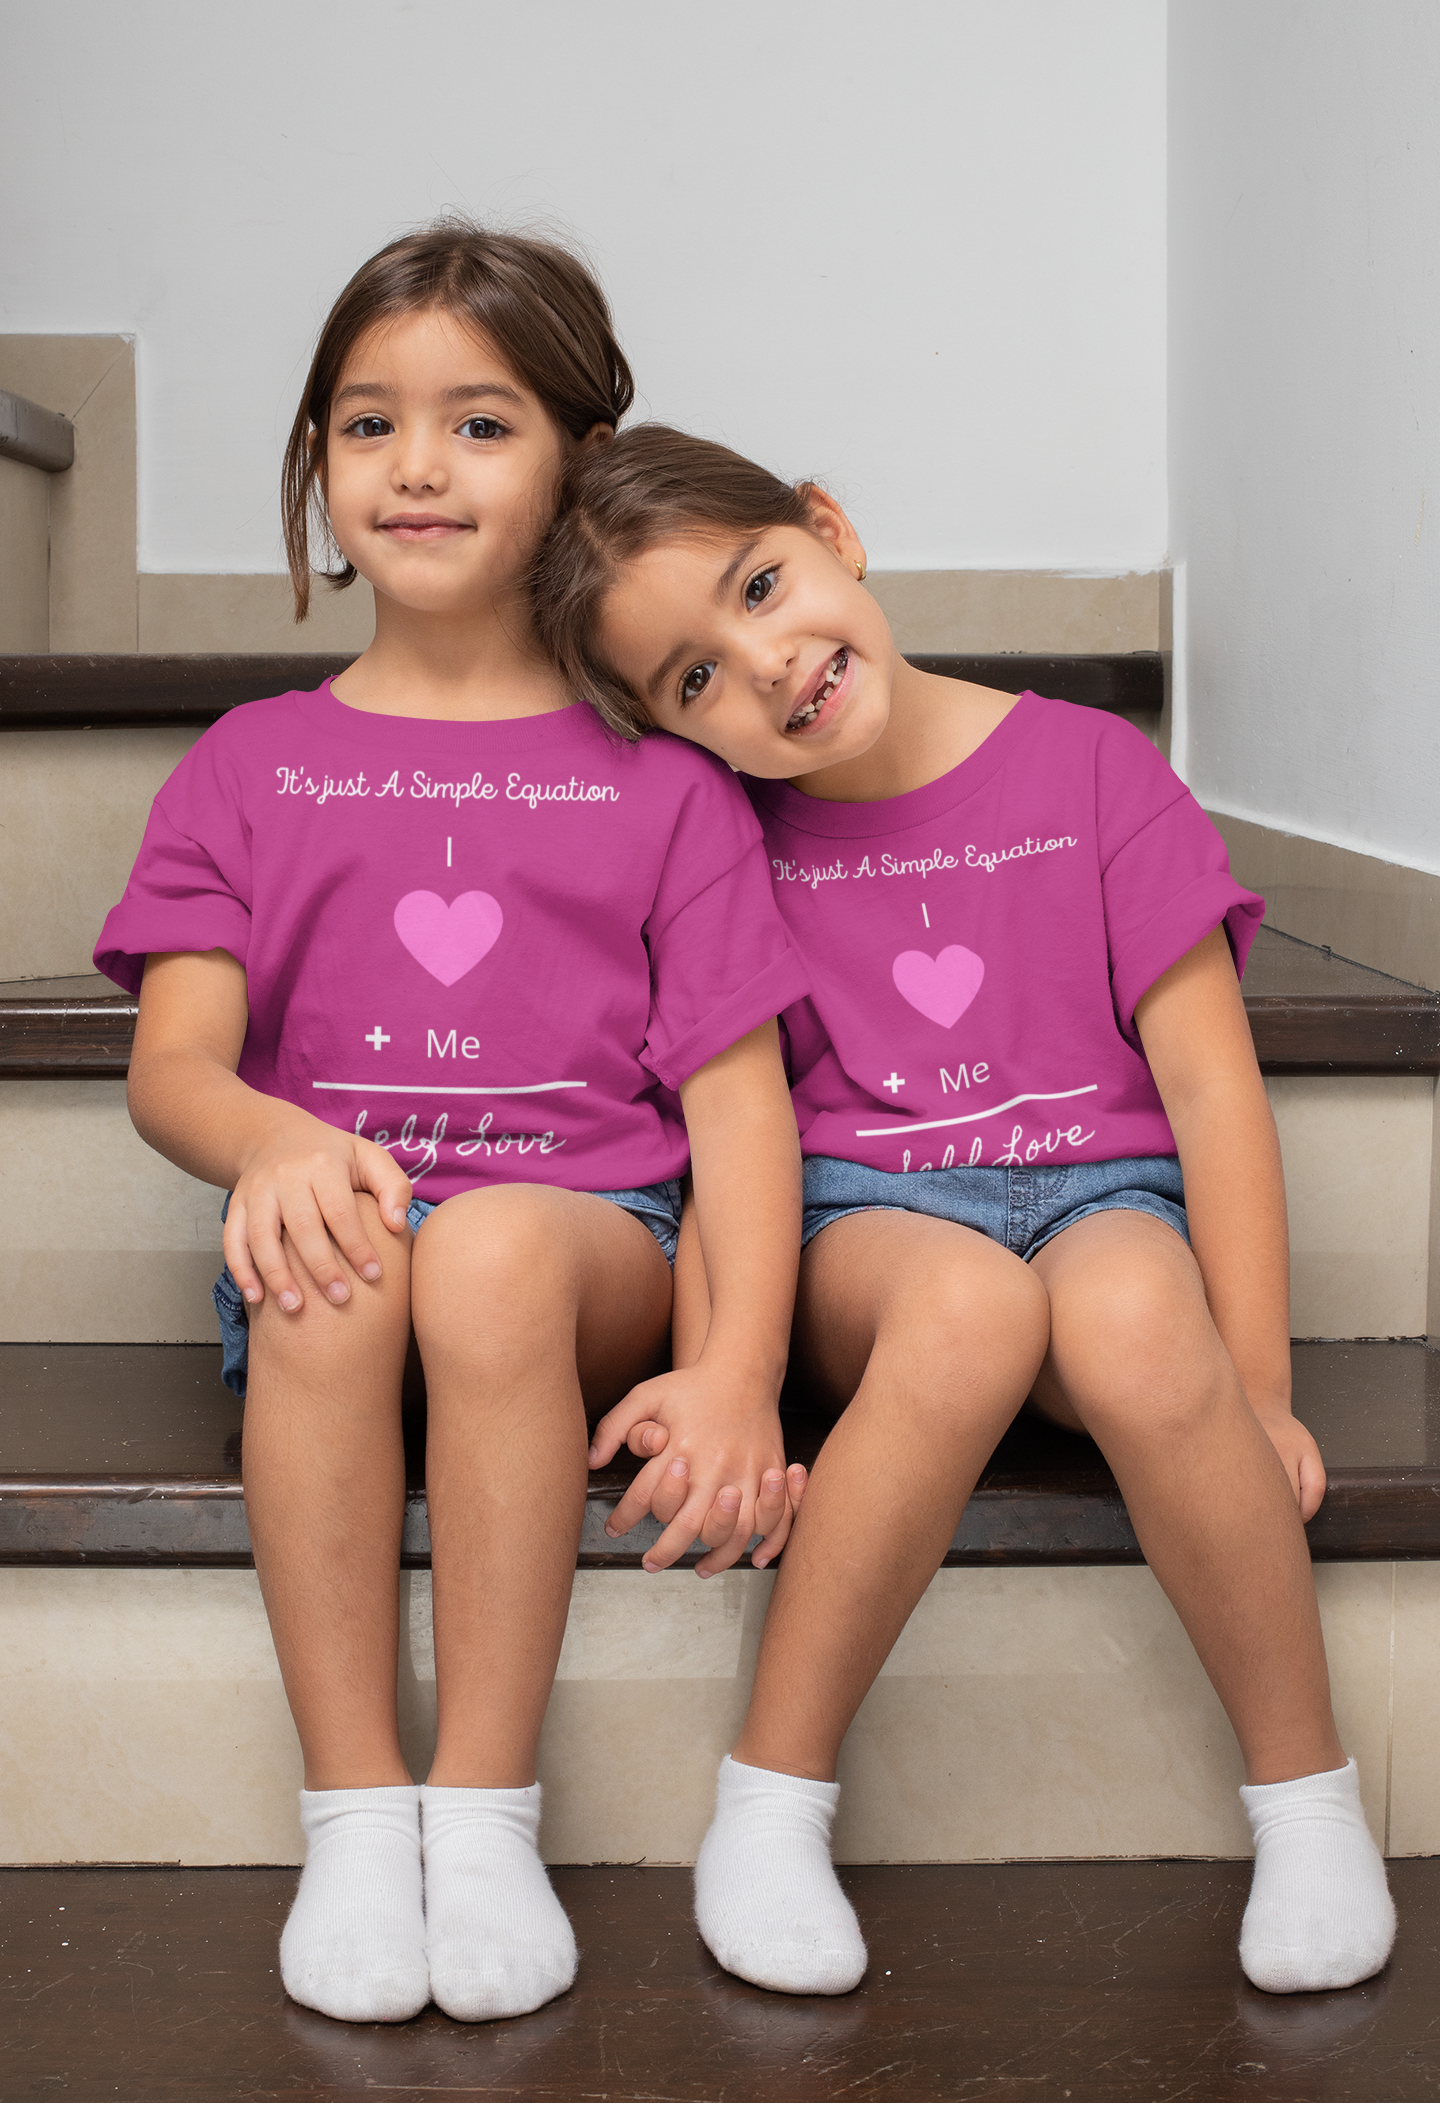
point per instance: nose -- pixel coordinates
(418, 463)
(772, 657)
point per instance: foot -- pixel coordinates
(354, 1945)
(1320, 1914)
(497, 1937)
(767, 1900)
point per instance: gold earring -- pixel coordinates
(859, 570)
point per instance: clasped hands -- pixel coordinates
(715, 1468)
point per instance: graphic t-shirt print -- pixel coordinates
(976, 948)
(495, 949)
(448, 940)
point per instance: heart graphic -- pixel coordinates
(448, 940)
(940, 987)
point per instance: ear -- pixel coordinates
(829, 523)
(598, 434)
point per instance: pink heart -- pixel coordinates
(448, 940)
(941, 987)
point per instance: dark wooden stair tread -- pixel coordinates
(130, 1454)
(1310, 1012)
(77, 692)
(1112, 1982)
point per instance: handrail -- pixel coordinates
(35, 436)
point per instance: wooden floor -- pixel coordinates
(1029, 1982)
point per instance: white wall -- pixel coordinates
(917, 249)
(1304, 412)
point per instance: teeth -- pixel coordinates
(833, 673)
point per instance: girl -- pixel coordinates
(445, 984)
(1039, 1161)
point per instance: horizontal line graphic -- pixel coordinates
(974, 1117)
(385, 1088)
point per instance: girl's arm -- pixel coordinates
(1196, 1035)
(285, 1169)
(690, 1312)
(721, 1476)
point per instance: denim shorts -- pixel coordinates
(1021, 1208)
(656, 1206)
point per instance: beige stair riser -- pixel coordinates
(73, 806)
(1357, 1153)
(104, 1242)
(1024, 1713)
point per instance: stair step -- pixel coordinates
(81, 693)
(129, 1455)
(163, 1983)
(1310, 1012)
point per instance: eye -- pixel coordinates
(694, 682)
(759, 588)
(369, 427)
(482, 427)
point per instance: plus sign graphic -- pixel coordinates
(894, 1084)
(377, 1037)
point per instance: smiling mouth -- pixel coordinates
(806, 713)
(422, 526)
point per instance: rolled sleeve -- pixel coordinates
(720, 966)
(1166, 889)
(178, 898)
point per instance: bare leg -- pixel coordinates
(933, 1335)
(532, 1306)
(325, 1499)
(324, 1496)
(1136, 1361)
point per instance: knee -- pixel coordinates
(322, 1343)
(501, 1250)
(506, 1226)
(1148, 1355)
(992, 1318)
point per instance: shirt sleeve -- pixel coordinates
(721, 959)
(190, 887)
(1164, 872)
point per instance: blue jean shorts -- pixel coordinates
(656, 1206)
(1021, 1208)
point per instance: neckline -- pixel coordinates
(500, 734)
(882, 814)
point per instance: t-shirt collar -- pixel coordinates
(819, 815)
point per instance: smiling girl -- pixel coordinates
(1039, 1162)
(446, 986)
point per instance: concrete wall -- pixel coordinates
(919, 251)
(1304, 415)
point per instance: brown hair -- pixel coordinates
(536, 303)
(651, 485)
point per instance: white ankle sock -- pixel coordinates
(498, 1939)
(354, 1945)
(1320, 1914)
(766, 1896)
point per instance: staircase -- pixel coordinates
(1042, 1701)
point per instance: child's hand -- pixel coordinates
(718, 1472)
(1298, 1450)
(301, 1180)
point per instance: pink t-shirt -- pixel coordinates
(495, 948)
(976, 948)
